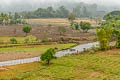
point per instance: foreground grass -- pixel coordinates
(75, 67)
(36, 48)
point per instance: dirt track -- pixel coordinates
(17, 55)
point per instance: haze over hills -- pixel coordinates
(29, 5)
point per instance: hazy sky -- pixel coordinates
(33, 2)
(8, 5)
(109, 2)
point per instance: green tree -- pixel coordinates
(104, 35)
(61, 29)
(27, 29)
(48, 55)
(85, 26)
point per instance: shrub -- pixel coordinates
(50, 39)
(72, 23)
(75, 26)
(45, 40)
(62, 38)
(61, 29)
(49, 25)
(95, 48)
(30, 39)
(91, 52)
(84, 38)
(48, 55)
(13, 40)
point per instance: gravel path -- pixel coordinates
(78, 48)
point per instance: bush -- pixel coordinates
(75, 26)
(48, 55)
(91, 52)
(13, 40)
(62, 38)
(50, 39)
(49, 25)
(45, 40)
(61, 30)
(84, 38)
(30, 39)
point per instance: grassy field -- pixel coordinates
(36, 48)
(21, 51)
(56, 21)
(2, 39)
(99, 66)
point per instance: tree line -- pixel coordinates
(80, 11)
(11, 18)
(49, 12)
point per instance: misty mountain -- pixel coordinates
(29, 5)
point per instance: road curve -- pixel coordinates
(78, 48)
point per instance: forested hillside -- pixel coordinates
(56, 9)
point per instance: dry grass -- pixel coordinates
(57, 21)
(2, 39)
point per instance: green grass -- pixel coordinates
(35, 48)
(75, 67)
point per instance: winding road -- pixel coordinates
(73, 50)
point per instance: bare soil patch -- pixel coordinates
(113, 51)
(17, 55)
